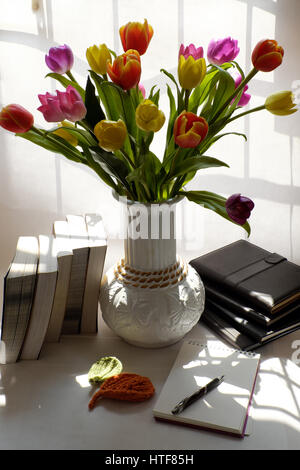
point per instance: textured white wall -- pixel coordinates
(37, 187)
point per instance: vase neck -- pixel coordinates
(150, 241)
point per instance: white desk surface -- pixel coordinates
(44, 403)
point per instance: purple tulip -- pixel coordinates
(192, 50)
(237, 77)
(60, 59)
(239, 208)
(65, 105)
(223, 50)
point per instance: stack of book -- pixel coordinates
(252, 295)
(52, 287)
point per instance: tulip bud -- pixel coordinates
(223, 50)
(190, 71)
(267, 55)
(65, 134)
(60, 59)
(281, 103)
(111, 135)
(196, 52)
(149, 117)
(136, 36)
(125, 70)
(97, 58)
(15, 118)
(189, 130)
(239, 208)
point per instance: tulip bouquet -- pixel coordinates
(110, 123)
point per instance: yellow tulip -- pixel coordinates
(148, 117)
(97, 58)
(111, 135)
(191, 71)
(65, 134)
(281, 103)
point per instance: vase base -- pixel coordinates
(152, 317)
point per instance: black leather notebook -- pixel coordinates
(267, 281)
(234, 336)
(254, 330)
(241, 308)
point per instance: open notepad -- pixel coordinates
(224, 409)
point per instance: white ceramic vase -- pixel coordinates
(151, 298)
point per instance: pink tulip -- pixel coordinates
(65, 105)
(192, 50)
(245, 98)
(142, 90)
(223, 50)
(60, 59)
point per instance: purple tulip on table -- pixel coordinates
(60, 59)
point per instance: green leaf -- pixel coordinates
(111, 165)
(196, 163)
(213, 202)
(65, 82)
(83, 136)
(57, 144)
(180, 101)
(94, 111)
(224, 89)
(92, 163)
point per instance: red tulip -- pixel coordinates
(126, 69)
(189, 130)
(267, 55)
(136, 36)
(15, 118)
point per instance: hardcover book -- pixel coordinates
(266, 281)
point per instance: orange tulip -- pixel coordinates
(267, 55)
(136, 36)
(189, 130)
(126, 69)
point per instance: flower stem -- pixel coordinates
(186, 99)
(259, 108)
(235, 93)
(128, 159)
(71, 77)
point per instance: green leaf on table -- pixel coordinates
(213, 202)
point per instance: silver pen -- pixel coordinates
(198, 394)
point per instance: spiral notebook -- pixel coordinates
(224, 409)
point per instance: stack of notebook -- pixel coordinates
(252, 295)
